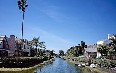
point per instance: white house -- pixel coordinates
(26, 48)
(90, 52)
(4, 47)
(12, 45)
(98, 55)
(105, 42)
(111, 37)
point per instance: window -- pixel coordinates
(0, 43)
(24, 47)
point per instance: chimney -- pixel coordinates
(108, 36)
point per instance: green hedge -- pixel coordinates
(105, 62)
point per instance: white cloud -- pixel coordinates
(52, 41)
(54, 12)
(51, 35)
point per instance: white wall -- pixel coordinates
(1, 44)
(26, 48)
(104, 42)
(98, 55)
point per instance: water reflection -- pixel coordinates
(58, 66)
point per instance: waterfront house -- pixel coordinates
(112, 36)
(12, 45)
(26, 48)
(4, 47)
(90, 52)
(105, 42)
(18, 51)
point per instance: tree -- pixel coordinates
(76, 50)
(22, 4)
(37, 43)
(103, 50)
(52, 52)
(61, 52)
(83, 46)
(112, 47)
(79, 50)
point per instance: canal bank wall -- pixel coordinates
(25, 69)
(86, 68)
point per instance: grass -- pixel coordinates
(97, 70)
(88, 70)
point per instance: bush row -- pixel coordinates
(21, 62)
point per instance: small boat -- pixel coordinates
(79, 65)
(35, 71)
(92, 65)
(83, 65)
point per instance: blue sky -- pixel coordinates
(60, 23)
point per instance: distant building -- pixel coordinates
(12, 45)
(4, 47)
(112, 36)
(18, 51)
(92, 46)
(106, 41)
(90, 52)
(26, 48)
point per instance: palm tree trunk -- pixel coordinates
(36, 51)
(22, 25)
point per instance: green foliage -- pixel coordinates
(22, 4)
(105, 62)
(103, 50)
(61, 52)
(36, 43)
(108, 50)
(76, 51)
(80, 59)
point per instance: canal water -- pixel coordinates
(59, 66)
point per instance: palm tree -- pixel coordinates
(37, 43)
(22, 4)
(83, 46)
